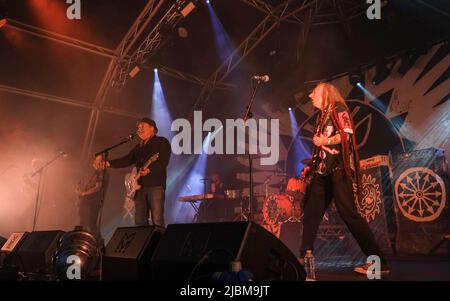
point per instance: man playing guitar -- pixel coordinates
(90, 197)
(150, 197)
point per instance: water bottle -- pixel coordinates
(309, 266)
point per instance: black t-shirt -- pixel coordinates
(96, 177)
(139, 156)
(333, 153)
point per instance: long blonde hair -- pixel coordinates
(330, 95)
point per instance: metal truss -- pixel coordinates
(125, 45)
(59, 38)
(331, 12)
(116, 56)
(192, 78)
(65, 101)
(281, 13)
(151, 44)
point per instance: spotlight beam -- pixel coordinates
(281, 12)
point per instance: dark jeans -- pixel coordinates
(338, 187)
(88, 211)
(149, 200)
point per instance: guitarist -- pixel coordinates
(150, 198)
(90, 196)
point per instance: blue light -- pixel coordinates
(207, 1)
(160, 111)
(224, 45)
(290, 109)
(359, 85)
(155, 70)
(373, 99)
(299, 154)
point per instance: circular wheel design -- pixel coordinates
(420, 194)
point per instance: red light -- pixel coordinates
(3, 22)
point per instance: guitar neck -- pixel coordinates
(150, 161)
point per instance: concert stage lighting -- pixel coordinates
(77, 255)
(182, 32)
(186, 10)
(356, 77)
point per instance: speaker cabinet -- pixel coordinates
(35, 254)
(128, 253)
(189, 252)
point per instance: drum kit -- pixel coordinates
(279, 207)
(285, 206)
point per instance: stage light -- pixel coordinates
(134, 71)
(356, 77)
(187, 9)
(155, 70)
(359, 85)
(182, 32)
(207, 1)
(77, 255)
(3, 22)
(290, 109)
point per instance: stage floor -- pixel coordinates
(415, 268)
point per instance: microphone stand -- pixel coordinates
(38, 192)
(105, 154)
(247, 115)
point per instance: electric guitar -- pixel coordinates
(132, 178)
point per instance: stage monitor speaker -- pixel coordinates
(128, 253)
(189, 252)
(35, 254)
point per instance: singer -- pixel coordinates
(149, 199)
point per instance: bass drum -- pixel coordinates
(281, 208)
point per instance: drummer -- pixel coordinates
(216, 186)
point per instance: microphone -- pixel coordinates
(262, 78)
(131, 136)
